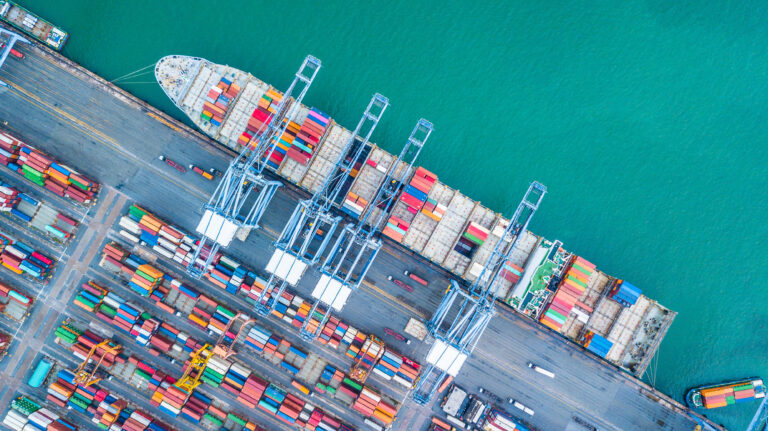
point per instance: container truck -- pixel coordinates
(521, 406)
(416, 278)
(208, 175)
(540, 370)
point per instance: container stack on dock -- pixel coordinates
(27, 414)
(36, 214)
(229, 275)
(42, 170)
(103, 408)
(9, 197)
(14, 303)
(23, 259)
(169, 241)
(393, 366)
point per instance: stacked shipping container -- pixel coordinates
(261, 116)
(218, 101)
(573, 285)
(597, 344)
(218, 372)
(308, 137)
(26, 414)
(722, 396)
(14, 303)
(473, 237)
(42, 170)
(412, 199)
(23, 259)
(104, 408)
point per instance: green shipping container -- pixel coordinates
(209, 381)
(136, 211)
(582, 269)
(554, 315)
(746, 387)
(577, 281)
(145, 276)
(85, 301)
(267, 407)
(352, 383)
(79, 185)
(216, 421)
(106, 309)
(144, 375)
(730, 400)
(236, 419)
(473, 238)
(224, 311)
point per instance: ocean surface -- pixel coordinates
(647, 121)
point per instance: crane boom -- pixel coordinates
(242, 195)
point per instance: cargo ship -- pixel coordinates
(726, 394)
(608, 317)
(33, 25)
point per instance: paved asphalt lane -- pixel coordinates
(117, 143)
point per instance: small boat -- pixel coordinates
(725, 394)
(33, 25)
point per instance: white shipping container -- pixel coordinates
(130, 225)
(129, 236)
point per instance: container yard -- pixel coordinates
(95, 283)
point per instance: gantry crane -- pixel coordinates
(311, 226)
(85, 378)
(760, 419)
(244, 191)
(353, 252)
(191, 377)
(369, 354)
(12, 39)
(223, 350)
(454, 345)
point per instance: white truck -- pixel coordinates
(540, 370)
(521, 406)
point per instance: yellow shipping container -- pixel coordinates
(150, 271)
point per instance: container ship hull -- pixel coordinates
(725, 394)
(566, 293)
(34, 26)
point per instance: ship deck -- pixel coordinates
(52, 100)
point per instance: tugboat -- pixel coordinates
(725, 394)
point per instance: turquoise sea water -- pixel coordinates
(647, 120)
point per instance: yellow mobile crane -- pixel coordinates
(85, 378)
(191, 377)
